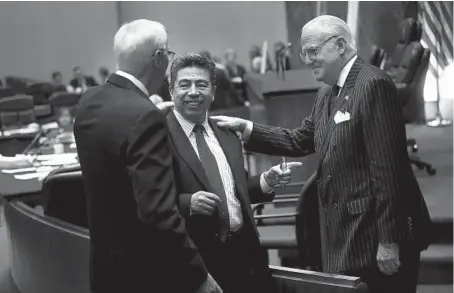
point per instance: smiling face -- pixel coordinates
(193, 93)
(322, 54)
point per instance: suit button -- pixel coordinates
(333, 147)
(217, 235)
(335, 205)
(329, 177)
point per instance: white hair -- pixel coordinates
(332, 26)
(136, 42)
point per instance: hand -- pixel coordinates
(204, 203)
(232, 123)
(156, 99)
(388, 258)
(165, 107)
(276, 176)
(209, 286)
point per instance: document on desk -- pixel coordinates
(27, 176)
(28, 170)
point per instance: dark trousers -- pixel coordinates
(239, 266)
(405, 280)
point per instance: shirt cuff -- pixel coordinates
(264, 186)
(247, 132)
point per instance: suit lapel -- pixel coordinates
(186, 151)
(125, 83)
(347, 90)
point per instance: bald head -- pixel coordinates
(136, 42)
(326, 26)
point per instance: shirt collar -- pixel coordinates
(187, 125)
(345, 71)
(134, 80)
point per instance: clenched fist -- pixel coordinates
(204, 203)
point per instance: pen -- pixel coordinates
(283, 167)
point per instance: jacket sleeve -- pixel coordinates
(278, 141)
(149, 164)
(384, 139)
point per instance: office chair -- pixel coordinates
(410, 78)
(16, 112)
(65, 195)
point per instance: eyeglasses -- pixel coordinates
(311, 54)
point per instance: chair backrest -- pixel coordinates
(412, 98)
(409, 64)
(409, 32)
(65, 194)
(378, 57)
(17, 111)
(6, 92)
(63, 100)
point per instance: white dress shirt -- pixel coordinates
(340, 82)
(134, 80)
(233, 204)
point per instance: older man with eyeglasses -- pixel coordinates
(373, 219)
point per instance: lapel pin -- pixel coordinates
(346, 97)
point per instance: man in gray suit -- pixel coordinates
(373, 219)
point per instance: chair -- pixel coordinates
(378, 57)
(6, 92)
(16, 111)
(410, 78)
(65, 195)
(410, 31)
(41, 93)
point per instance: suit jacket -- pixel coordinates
(89, 80)
(190, 177)
(138, 238)
(366, 186)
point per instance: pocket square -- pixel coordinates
(341, 117)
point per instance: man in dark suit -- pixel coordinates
(373, 219)
(214, 192)
(138, 239)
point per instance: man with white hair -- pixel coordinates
(138, 240)
(373, 219)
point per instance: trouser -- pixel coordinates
(405, 280)
(239, 266)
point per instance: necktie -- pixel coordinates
(333, 98)
(214, 177)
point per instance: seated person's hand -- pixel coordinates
(204, 203)
(232, 123)
(276, 176)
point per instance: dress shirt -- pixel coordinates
(233, 204)
(340, 82)
(134, 80)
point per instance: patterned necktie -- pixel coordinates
(214, 177)
(333, 98)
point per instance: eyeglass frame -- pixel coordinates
(317, 49)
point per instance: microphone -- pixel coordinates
(35, 140)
